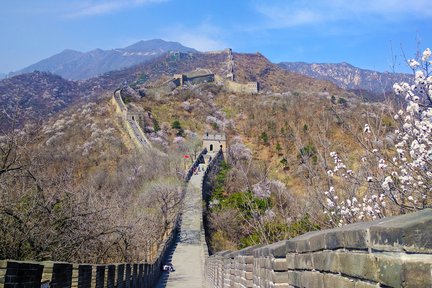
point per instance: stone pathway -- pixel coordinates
(188, 253)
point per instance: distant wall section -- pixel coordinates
(235, 87)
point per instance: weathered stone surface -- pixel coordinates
(280, 285)
(279, 264)
(317, 242)
(278, 250)
(356, 236)
(290, 261)
(333, 281)
(361, 284)
(313, 279)
(301, 243)
(326, 261)
(294, 278)
(304, 261)
(390, 271)
(333, 239)
(279, 277)
(248, 275)
(410, 232)
(417, 272)
(359, 265)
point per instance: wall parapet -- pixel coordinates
(60, 274)
(389, 252)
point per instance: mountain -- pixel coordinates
(2, 75)
(77, 65)
(35, 97)
(39, 95)
(349, 77)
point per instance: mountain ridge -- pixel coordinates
(348, 76)
(76, 65)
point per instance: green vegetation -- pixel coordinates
(156, 126)
(256, 221)
(142, 78)
(176, 125)
(264, 137)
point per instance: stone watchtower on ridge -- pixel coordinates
(214, 142)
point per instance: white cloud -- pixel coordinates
(283, 14)
(204, 37)
(201, 42)
(92, 8)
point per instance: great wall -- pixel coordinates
(199, 76)
(389, 252)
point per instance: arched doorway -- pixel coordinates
(220, 147)
(211, 147)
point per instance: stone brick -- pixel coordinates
(279, 249)
(334, 239)
(280, 285)
(290, 261)
(304, 261)
(317, 242)
(356, 236)
(3, 264)
(418, 272)
(361, 284)
(326, 261)
(333, 281)
(294, 278)
(390, 271)
(278, 277)
(301, 243)
(249, 259)
(359, 265)
(313, 279)
(279, 264)
(410, 232)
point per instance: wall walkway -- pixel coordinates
(132, 127)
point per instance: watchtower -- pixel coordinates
(214, 142)
(180, 79)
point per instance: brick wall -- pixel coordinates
(22, 274)
(390, 252)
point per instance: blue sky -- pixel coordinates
(365, 33)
